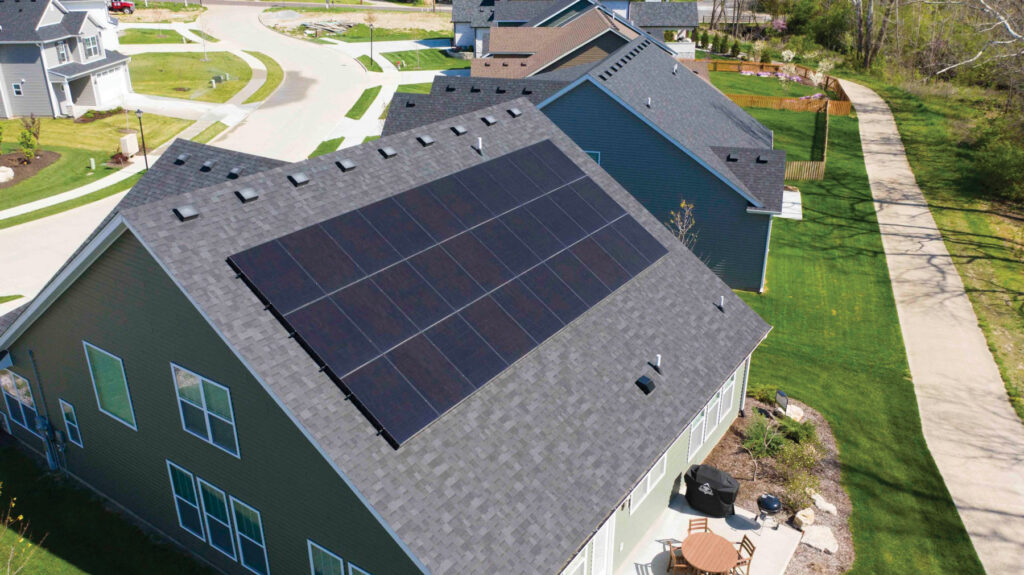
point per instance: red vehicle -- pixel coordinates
(121, 6)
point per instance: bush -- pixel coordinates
(766, 58)
(800, 432)
(762, 438)
(704, 39)
(796, 458)
(765, 395)
(998, 165)
(795, 490)
(28, 144)
(735, 50)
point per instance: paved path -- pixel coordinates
(973, 433)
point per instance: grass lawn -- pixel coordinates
(794, 131)
(370, 138)
(82, 537)
(837, 346)
(327, 146)
(163, 12)
(370, 65)
(108, 191)
(361, 33)
(424, 60)
(149, 36)
(734, 83)
(203, 35)
(185, 75)
(7, 298)
(210, 132)
(275, 74)
(363, 103)
(423, 88)
(68, 172)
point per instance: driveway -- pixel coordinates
(971, 429)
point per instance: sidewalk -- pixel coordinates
(972, 431)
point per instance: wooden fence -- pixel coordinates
(815, 169)
(778, 103)
(805, 170)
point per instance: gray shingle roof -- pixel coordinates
(762, 171)
(525, 10)
(664, 14)
(18, 21)
(516, 477)
(73, 70)
(468, 10)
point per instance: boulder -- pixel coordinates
(803, 519)
(825, 506)
(821, 538)
(6, 174)
(795, 412)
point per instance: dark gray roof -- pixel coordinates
(73, 70)
(470, 10)
(8, 318)
(516, 477)
(555, 7)
(526, 10)
(762, 171)
(664, 14)
(18, 22)
(455, 95)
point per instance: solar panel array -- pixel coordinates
(414, 302)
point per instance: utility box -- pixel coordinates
(129, 145)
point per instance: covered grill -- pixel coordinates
(711, 491)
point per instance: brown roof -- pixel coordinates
(543, 47)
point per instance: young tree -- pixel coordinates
(29, 145)
(21, 552)
(735, 50)
(32, 124)
(681, 224)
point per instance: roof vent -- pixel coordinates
(449, 88)
(387, 152)
(504, 64)
(648, 101)
(298, 179)
(207, 165)
(346, 165)
(182, 158)
(645, 384)
(523, 64)
(186, 212)
(459, 130)
(732, 158)
(489, 120)
(479, 147)
(474, 89)
(601, 76)
(246, 195)
(675, 68)
(721, 304)
(761, 159)
(410, 104)
(515, 112)
(527, 91)
(235, 172)
(657, 363)
(499, 90)
(487, 64)
(425, 140)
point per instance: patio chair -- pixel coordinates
(676, 560)
(746, 551)
(698, 525)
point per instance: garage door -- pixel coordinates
(110, 87)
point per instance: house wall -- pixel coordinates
(464, 34)
(619, 7)
(731, 241)
(591, 52)
(88, 29)
(24, 62)
(82, 93)
(125, 304)
(51, 15)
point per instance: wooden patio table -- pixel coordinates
(709, 553)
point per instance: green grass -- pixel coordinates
(7, 298)
(837, 346)
(370, 138)
(101, 134)
(108, 191)
(82, 536)
(423, 88)
(185, 75)
(68, 172)
(172, 6)
(370, 65)
(327, 146)
(203, 35)
(735, 83)
(361, 33)
(363, 103)
(794, 131)
(151, 36)
(210, 132)
(275, 74)
(424, 60)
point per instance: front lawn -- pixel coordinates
(794, 131)
(370, 64)
(203, 35)
(151, 36)
(122, 186)
(363, 103)
(425, 60)
(361, 33)
(211, 132)
(837, 346)
(185, 75)
(82, 536)
(736, 83)
(327, 146)
(275, 74)
(423, 88)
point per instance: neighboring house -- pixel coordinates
(56, 61)
(662, 132)
(464, 400)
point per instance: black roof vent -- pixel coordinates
(601, 76)
(761, 159)
(515, 112)
(298, 179)
(489, 120)
(182, 158)
(459, 130)
(410, 104)
(474, 88)
(449, 88)
(388, 152)
(732, 158)
(235, 172)
(207, 165)
(499, 90)
(186, 212)
(645, 384)
(527, 91)
(346, 165)
(246, 195)
(425, 140)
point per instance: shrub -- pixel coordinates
(704, 39)
(796, 458)
(998, 166)
(800, 432)
(735, 50)
(766, 57)
(795, 490)
(28, 144)
(763, 394)
(762, 438)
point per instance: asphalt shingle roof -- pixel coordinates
(18, 22)
(664, 14)
(762, 171)
(75, 69)
(516, 477)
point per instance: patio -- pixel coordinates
(774, 546)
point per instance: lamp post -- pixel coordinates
(138, 114)
(371, 46)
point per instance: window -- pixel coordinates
(186, 502)
(249, 529)
(205, 409)
(4, 424)
(578, 565)
(71, 423)
(21, 406)
(323, 562)
(62, 52)
(92, 46)
(713, 414)
(110, 384)
(647, 484)
(353, 570)
(727, 394)
(596, 156)
(696, 434)
(17, 88)
(218, 519)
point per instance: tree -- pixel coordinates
(28, 143)
(32, 124)
(704, 39)
(681, 224)
(13, 522)
(1003, 27)
(735, 50)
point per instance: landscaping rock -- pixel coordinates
(821, 538)
(6, 174)
(803, 519)
(825, 506)
(795, 412)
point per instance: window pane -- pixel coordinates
(188, 386)
(217, 400)
(252, 556)
(111, 386)
(7, 382)
(183, 485)
(195, 419)
(14, 408)
(73, 435)
(324, 563)
(214, 504)
(220, 537)
(69, 413)
(223, 434)
(248, 523)
(24, 392)
(190, 517)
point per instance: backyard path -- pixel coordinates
(973, 433)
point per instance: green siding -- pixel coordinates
(126, 305)
(731, 241)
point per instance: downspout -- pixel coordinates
(43, 425)
(764, 263)
(743, 394)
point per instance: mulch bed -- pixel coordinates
(729, 456)
(44, 158)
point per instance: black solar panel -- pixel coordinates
(415, 301)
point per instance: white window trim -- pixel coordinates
(68, 425)
(310, 544)
(62, 52)
(354, 570)
(175, 497)
(716, 401)
(4, 424)
(209, 432)
(86, 47)
(576, 563)
(654, 475)
(728, 392)
(693, 449)
(17, 89)
(96, 391)
(239, 535)
(206, 517)
(3, 392)
(597, 159)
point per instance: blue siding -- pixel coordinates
(660, 175)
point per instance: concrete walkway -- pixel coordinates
(973, 433)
